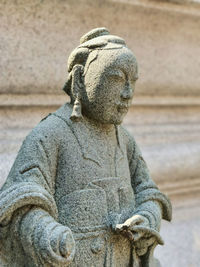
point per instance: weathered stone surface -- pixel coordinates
(79, 179)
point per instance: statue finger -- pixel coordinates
(134, 220)
(130, 235)
(145, 243)
(150, 241)
(138, 235)
(67, 245)
(54, 239)
(141, 251)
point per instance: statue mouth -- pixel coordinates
(122, 107)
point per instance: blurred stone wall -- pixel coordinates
(36, 38)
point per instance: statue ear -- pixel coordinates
(77, 87)
(77, 80)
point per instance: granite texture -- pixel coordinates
(79, 192)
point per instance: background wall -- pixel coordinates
(36, 38)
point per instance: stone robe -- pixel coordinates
(86, 179)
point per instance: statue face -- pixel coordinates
(109, 85)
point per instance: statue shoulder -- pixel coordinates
(53, 127)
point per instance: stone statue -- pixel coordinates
(79, 192)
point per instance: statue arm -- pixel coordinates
(150, 202)
(142, 228)
(44, 240)
(27, 204)
(142, 184)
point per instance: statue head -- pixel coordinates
(102, 76)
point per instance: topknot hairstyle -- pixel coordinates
(96, 39)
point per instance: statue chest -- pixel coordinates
(93, 183)
(89, 156)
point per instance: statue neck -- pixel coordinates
(98, 126)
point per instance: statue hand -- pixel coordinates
(47, 242)
(56, 244)
(143, 244)
(132, 229)
(129, 227)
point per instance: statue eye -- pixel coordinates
(117, 75)
(118, 78)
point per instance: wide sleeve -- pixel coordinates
(150, 202)
(28, 194)
(31, 180)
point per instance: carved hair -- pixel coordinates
(95, 40)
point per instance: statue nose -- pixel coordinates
(127, 93)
